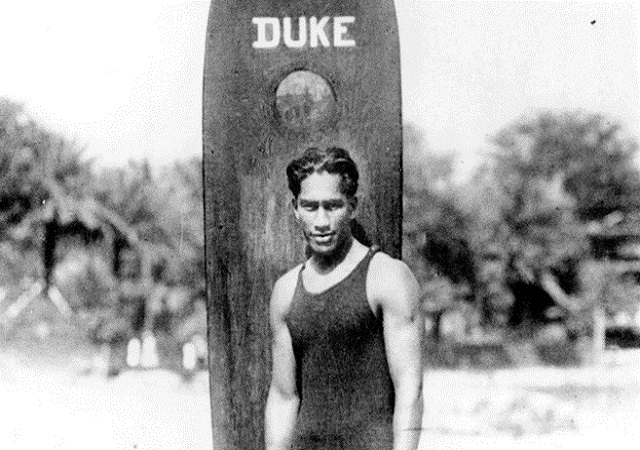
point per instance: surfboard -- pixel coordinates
(281, 76)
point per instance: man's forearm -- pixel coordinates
(407, 424)
(280, 419)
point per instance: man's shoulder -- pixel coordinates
(391, 280)
(284, 288)
(291, 277)
(386, 265)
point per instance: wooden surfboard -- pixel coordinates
(281, 76)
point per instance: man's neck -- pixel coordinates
(325, 264)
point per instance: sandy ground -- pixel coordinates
(535, 408)
(62, 406)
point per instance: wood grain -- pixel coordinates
(251, 237)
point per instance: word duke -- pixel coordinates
(272, 31)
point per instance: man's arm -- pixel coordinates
(403, 330)
(283, 400)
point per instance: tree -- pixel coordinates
(485, 205)
(43, 185)
(36, 166)
(594, 161)
(166, 213)
(181, 187)
(553, 173)
(435, 243)
(45, 197)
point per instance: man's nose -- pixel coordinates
(321, 219)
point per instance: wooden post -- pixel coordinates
(280, 76)
(598, 339)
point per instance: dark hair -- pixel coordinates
(332, 160)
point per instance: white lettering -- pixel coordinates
(270, 32)
(317, 32)
(302, 33)
(261, 40)
(339, 31)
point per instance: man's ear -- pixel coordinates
(353, 201)
(294, 205)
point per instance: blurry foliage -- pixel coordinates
(434, 243)
(41, 175)
(584, 153)
(522, 215)
(604, 286)
(55, 205)
(165, 210)
(554, 173)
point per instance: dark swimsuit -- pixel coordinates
(346, 392)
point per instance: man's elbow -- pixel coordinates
(278, 396)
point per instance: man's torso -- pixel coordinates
(342, 373)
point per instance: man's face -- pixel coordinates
(324, 213)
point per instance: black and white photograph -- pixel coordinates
(319, 225)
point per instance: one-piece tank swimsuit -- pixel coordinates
(343, 380)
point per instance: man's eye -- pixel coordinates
(309, 207)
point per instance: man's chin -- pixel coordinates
(324, 250)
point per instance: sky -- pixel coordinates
(124, 78)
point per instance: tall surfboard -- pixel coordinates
(281, 76)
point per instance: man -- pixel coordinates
(346, 327)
